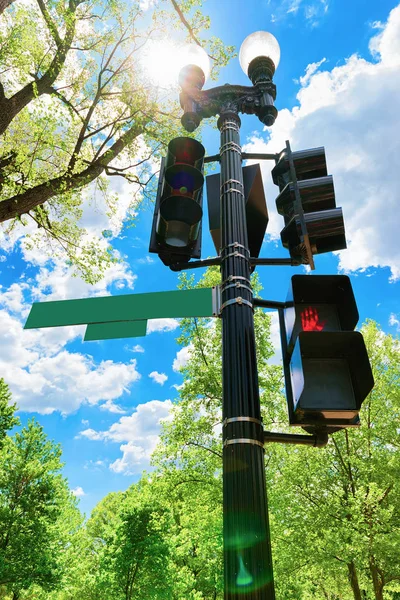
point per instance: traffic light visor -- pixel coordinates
(331, 375)
(325, 230)
(187, 151)
(308, 164)
(179, 221)
(319, 303)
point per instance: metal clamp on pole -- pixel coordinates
(242, 441)
(236, 255)
(234, 277)
(241, 419)
(239, 300)
(229, 181)
(230, 146)
(216, 300)
(235, 245)
(237, 286)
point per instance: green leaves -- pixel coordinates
(76, 108)
(34, 499)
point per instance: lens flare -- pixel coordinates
(244, 578)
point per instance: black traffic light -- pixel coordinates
(176, 230)
(327, 370)
(313, 223)
(256, 208)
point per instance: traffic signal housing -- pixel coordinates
(256, 208)
(327, 370)
(313, 223)
(176, 230)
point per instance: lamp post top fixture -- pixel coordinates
(195, 66)
(259, 56)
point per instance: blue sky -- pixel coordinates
(338, 86)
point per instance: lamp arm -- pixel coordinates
(252, 100)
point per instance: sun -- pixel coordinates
(161, 62)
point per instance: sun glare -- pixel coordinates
(161, 63)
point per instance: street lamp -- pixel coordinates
(247, 546)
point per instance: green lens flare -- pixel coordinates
(244, 578)
(183, 190)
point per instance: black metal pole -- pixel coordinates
(247, 547)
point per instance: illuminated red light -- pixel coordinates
(310, 320)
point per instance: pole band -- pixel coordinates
(233, 277)
(239, 300)
(229, 125)
(236, 285)
(239, 419)
(236, 255)
(231, 181)
(230, 147)
(232, 190)
(243, 441)
(235, 245)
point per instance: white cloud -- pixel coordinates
(91, 434)
(78, 492)
(162, 325)
(140, 432)
(311, 11)
(147, 4)
(394, 321)
(66, 380)
(43, 376)
(276, 359)
(181, 359)
(310, 70)
(353, 111)
(13, 298)
(159, 378)
(109, 406)
(136, 349)
(58, 282)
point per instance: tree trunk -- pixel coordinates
(354, 581)
(4, 4)
(377, 579)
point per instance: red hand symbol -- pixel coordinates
(310, 320)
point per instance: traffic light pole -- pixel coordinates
(247, 547)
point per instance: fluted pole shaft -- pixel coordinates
(247, 547)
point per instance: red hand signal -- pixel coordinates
(310, 320)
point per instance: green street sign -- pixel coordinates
(112, 331)
(126, 315)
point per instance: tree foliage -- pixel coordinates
(334, 511)
(37, 511)
(76, 108)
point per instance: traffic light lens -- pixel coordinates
(184, 179)
(186, 150)
(310, 320)
(183, 182)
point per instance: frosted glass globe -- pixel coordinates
(192, 54)
(259, 43)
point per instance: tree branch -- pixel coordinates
(204, 448)
(10, 107)
(50, 24)
(187, 25)
(28, 200)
